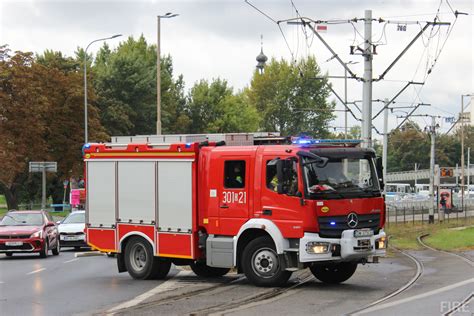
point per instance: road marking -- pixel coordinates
(409, 299)
(72, 260)
(168, 285)
(89, 254)
(1, 282)
(36, 271)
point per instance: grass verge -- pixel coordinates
(448, 239)
(404, 236)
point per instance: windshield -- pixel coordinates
(22, 219)
(75, 218)
(341, 177)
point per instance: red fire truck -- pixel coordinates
(265, 210)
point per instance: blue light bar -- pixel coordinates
(310, 141)
(332, 223)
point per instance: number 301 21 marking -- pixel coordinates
(234, 197)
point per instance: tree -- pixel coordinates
(41, 115)
(125, 81)
(290, 100)
(213, 108)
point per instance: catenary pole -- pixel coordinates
(367, 82)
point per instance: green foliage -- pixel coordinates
(289, 100)
(125, 81)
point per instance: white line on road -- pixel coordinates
(1, 282)
(72, 260)
(36, 271)
(412, 298)
(89, 254)
(163, 287)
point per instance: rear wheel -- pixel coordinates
(261, 265)
(44, 251)
(335, 272)
(9, 254)
(205, 271)
(141, 263)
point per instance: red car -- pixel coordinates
(27, 232)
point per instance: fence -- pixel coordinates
(418, 212)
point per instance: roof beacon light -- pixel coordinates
(303, 141)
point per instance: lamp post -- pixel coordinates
(86, 138)
(158, 71)
(461, 120)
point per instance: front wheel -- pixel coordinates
(44, 251)
(141, 263)
(57, 249)
(261, 265)
(205, 271)
(335, 272)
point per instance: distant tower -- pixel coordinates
(261, 58)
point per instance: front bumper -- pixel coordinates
(21, 245)
(72, 240)
(347, 248)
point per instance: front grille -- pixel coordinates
(72, 234)
(340, 224)
(14, 236)
(26, 246)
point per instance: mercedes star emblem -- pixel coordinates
(352, 220)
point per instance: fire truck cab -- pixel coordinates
(265, 210)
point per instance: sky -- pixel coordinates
(211, 39)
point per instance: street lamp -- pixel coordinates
(158, 71)
(461, 120)
(86, 138)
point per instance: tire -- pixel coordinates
(44, 251)
(141, 263)
(334, 273)
(261, 265)
(9, 254)
(56, 250)
(205, 271)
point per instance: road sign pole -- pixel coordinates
(43, 193)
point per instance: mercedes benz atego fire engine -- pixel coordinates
(265, 210)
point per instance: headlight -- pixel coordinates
(381, 243)
(38, 234)
(317, 247)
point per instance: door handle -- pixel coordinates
(267, 212)
(224, 206)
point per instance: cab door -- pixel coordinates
(234, 187)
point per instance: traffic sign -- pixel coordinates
(39, 166)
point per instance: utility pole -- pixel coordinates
(385, 142)
(367, 82)
(432, 168)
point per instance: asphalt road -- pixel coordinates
(63, 285)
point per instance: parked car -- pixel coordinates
(71, 230)
(28, 232)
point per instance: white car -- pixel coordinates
(71, 230)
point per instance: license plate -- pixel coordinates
(14, 243)
(363, 233)
(66, 238)
(363, 243)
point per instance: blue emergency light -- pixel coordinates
(309, 141)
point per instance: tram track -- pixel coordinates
(418, 274)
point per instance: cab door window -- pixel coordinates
(234, 174)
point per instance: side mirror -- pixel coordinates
(58, 222)
(379, 169)
(283, 174)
